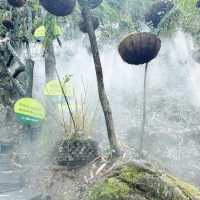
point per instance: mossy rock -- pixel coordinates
(135, 181)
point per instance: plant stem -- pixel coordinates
(66, 99)
(142, 136)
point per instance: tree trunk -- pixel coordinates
(86, 14)
(50, 61)
(29, 71)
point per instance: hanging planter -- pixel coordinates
(139, 48)
(75, 152)
(83, 27)
(94, 3)
(9, 24)
(157, 11)
(17, 3)
(59, 7)
(196, 56)
(198, 4)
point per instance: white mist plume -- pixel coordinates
(172, 90)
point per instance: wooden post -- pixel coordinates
(86, 14)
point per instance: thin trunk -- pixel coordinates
(50, 61)
(29, 71)
(100, 82)
(144, 114)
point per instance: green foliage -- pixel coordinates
(112, 189)
(115, 18)
(190, 15)
(130, 174)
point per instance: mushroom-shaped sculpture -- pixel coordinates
(94, 3)
(196, 56)
(83, 26)
(9, 24)
(59, 7)
(140, 48)
(17, 3)
(157, 11)
(198, 4)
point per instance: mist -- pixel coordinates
(173, 102)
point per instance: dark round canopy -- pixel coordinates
(95, 22)
(157, 11)
(139, 48)
(59, 7)
(17, 3)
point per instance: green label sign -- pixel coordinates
(53, 88)
(40, 32)
(29, 111)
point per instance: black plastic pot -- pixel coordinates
(198, 4)
(157, 11)
(9, 24)
(59, 7)
(83, 27)
(139, 48)
(76, 153)
(94, 3)
(17, 3)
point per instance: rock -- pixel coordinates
(135, 181)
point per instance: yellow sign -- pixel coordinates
(29, 110)
(40, 32)
(53, 88)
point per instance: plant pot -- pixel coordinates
(17, 3)
(76, 153)
(94, 3)
(139, 48)
(9, 24)
(198, 4)
(59, 7)
(157, 11)
(196, 56)
(83, 27)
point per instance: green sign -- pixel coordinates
(40, 32)
(29, 111)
